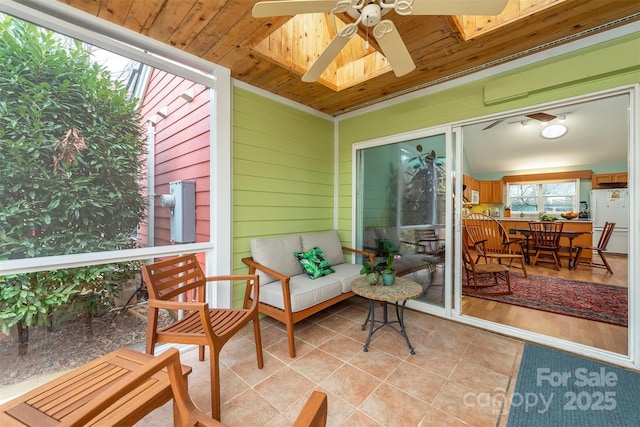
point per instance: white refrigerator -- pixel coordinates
(611, 205)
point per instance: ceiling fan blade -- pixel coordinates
(542, 117)
(331, 51)
(393, 48)
(496, 123)
(265, 9)
(458, 7)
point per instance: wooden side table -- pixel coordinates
(49, 404)
(398, 294)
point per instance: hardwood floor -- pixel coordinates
(596, 334)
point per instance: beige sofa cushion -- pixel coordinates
(328, 241)
(305, 292)
(277, 254)
(346, 273)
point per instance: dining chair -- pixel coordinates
(492, 242)
(171, 284)
(475, 271)
(607, 231)
(546, 241)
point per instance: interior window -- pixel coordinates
(548, 196)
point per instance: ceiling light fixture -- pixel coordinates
(554, 131)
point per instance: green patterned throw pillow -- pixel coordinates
(314, 263)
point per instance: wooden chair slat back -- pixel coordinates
(486, 233)
(607, 231)
(546, 234)
(167, 279)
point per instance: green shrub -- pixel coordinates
(71, 152)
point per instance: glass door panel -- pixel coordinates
(401, 206)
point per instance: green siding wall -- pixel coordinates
(283, 173)
(468, 101)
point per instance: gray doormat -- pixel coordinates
(558, 389)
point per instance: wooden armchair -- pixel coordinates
(491, 241)
(166, 281)
(474, 271)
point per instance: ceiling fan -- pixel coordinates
(539, 116)
(369, 13)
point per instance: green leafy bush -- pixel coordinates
(71, 152)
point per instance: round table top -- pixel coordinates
(402, 290)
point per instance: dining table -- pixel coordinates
(569, 234)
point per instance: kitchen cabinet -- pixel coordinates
(472, 184)
(609, 180)
(492, 191)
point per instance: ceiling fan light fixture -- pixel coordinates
(554, 131)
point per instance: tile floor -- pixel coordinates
(459, 375)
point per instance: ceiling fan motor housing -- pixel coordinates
(371, 15)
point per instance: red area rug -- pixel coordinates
(602, 303)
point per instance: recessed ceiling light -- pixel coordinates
(553, 131)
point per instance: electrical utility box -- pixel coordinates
(183, 212)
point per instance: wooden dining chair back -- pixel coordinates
(171, 284)
(133, 385)
(476, 271)
(546, 242)
(603, 242)
(492, 242)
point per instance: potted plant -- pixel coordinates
(372, 271)
(389, 274)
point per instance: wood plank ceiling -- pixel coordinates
(224, 32)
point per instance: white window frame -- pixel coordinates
(90, 29)
(541, 197)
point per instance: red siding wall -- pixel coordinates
(181, 147)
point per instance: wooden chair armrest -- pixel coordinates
(253, 266)
(314, 412)
(253, 282)
(178, 305)
(371, 256)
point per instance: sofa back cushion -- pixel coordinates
(328, 241)
(277, 253)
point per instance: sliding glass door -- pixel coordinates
(401, 207)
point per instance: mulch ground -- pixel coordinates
(73, 343)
